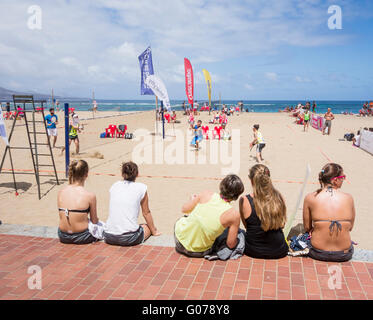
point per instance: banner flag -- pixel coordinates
(189, 85)
(208, 81)
(146, 66)
(2, 128)
(158, 87)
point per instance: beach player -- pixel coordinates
(329, 116)
(259, 142)
(52, 121)
(306, 119)
(198, 136)
(73, 132)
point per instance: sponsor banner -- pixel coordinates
(208, 81)
(146, 66)
(366, 141)
(189, 82)
(2, 128)
(317, 122)
(159, 89)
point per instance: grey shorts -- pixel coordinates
(331, 256)
(83, 237)
(260, 147)
(328, 123)
(180, 249)
(126, 239)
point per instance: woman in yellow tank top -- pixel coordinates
(207, 216)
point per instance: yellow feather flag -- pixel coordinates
(208, 81)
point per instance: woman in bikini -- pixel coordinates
(75, 203)
(329, 215)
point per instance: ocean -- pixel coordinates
(252, 106)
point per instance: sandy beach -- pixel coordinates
(287, 153)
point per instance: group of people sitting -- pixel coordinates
(328, 215)
(366, 110)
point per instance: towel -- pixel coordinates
(96, 230)
(220, 250)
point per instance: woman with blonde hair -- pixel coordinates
(74, 204)
(329, 214)
(263, 213)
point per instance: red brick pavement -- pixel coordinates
(100, 271)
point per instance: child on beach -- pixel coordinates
(259, 142)
(198, 135)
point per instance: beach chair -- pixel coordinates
(205, 130)
(111, 130)
(121, 130)
(217, 132)
(167, 116)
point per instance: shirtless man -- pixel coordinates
(329, 116)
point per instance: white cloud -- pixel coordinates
(302, 79)
(84, 44)
(249, 87)
(271, 76)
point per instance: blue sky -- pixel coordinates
(253, 49)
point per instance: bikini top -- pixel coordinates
(333, 223)
(67, 211)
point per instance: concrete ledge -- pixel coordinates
(161, 241)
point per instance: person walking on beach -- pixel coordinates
(259, 142)
(329, 215)
(314, 107)
(329, 116)
(306, 119)
(52, 121)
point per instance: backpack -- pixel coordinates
(103, 135)
(349, 136)
(128, 136)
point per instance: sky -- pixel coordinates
(253, 49)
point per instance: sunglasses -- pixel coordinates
(340, 177)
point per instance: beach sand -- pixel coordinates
(288, 151)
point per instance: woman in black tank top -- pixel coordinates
(264, 216)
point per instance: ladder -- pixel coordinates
(36, 130)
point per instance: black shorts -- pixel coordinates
(305, 121)
(260, 147)
(73, 138)
(83, 237)
(126, 239)
(331, 256)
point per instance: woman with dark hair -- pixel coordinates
(329, 215)
(263, 213)
(207, 215)
(74, 204)
(126, 198)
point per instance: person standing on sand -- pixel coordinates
(314, 107)
(329, 116)
(306, 120)
(259, 142)
(52, 121)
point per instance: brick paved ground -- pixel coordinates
(100, 271)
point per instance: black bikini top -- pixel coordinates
(67, 211)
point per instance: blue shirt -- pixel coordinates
(50, 124)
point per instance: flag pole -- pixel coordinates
(156, 115)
